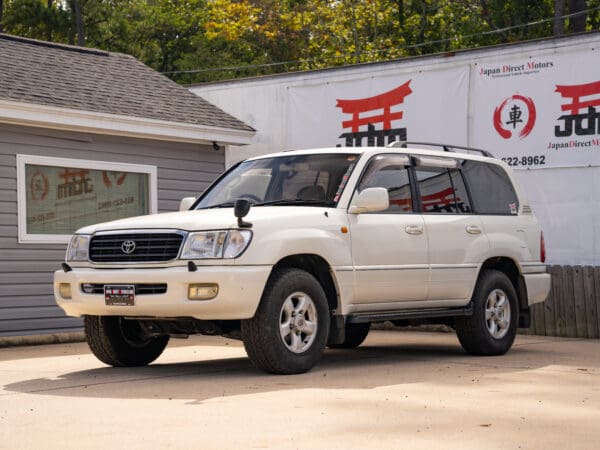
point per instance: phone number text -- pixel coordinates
(538, 160)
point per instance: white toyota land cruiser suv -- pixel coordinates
(296, 251)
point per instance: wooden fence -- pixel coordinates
(573, 307)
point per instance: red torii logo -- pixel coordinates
(383, 102)
(575, 93)
(574, 120)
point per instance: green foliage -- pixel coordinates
(204, 40)
(36, 19)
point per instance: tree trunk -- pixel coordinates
(485, 13)
(355, 33)
(78, 16)
(1, 9)
(558, 28)
(400, 4)
(577, 23)
(423, 24)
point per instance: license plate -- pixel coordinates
(119, 295)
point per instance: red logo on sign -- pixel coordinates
(583, 96)
(515, 116)
(382, 105)
(38, 186)
(108, 177)
(575, 93)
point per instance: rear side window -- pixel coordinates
(442, 191)
(491, 189)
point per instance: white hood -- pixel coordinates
(205, 219)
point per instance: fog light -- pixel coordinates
(65, 290)
(204, 291)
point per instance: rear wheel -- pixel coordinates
(356, 333)
(120, 342)
(492, 328)
(289, 331)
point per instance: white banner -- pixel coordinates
(416, 106)
(535, 105)
(538, 112)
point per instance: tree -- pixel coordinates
(198, 40)
(77, 14)
(577, 23)
(559, 23)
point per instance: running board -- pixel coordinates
(411, 314)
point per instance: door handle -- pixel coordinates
(414, 229)
(473, 229)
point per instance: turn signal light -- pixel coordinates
(204, 291)
(65, 290)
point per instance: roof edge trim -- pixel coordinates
(29, 114)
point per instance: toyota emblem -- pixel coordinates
(128, 247)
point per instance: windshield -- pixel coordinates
(316, 179)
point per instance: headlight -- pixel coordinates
(216, 244)
(78, 248)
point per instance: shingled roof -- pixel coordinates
(65, 76)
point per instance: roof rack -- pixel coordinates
(446, 147)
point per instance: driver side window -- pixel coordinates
(390, 172)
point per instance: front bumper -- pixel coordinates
(240, 291)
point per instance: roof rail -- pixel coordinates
(446, 147)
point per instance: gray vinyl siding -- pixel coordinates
(26, 299)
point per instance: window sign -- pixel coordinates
(58, 196)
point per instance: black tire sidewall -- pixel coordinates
(106, 339)
(275, 356)
(473, 332)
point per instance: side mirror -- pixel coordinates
(241, 208)
(370, 200)
(186, 203)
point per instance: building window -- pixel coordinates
(57, 196)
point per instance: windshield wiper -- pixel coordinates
(220, 205)
(297, 201)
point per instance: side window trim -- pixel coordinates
(453, 191)
(468, 189)
(414, 188)
(470, 205)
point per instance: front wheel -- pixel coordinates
(122, 343)
(289, 331)
(492, 328)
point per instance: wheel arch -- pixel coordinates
(511, 269)
(318, 267)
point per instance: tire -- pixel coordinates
(121, 343)
(492, 328)
(293, 300)
(356, 333)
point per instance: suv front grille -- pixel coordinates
(140, 289)
(146, 247)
